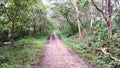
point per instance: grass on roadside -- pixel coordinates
(26, 53)
(80, 48)
(97, 58)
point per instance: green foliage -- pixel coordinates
(85, 5)
(59, 33)
(97, 35)
(29, 18)
(24, 17)
(96, 57)
(25, 53)
(94, 29)
(81, 49)
(2, 30)
(65, 13)
(116, 20)
(100, 30)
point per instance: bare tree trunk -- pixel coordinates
(12, 33)
(80, 31)
(78, 20)
(109, 23)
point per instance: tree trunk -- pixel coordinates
(78, 20)
(80, 31)
(34, 27)
(109, 25)
(12, 33)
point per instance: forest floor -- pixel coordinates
(58, 55)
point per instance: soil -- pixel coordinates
(58, 55)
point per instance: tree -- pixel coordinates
(78, 20)
(23, 17)
(106, 17)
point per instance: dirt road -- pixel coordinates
(58, 55)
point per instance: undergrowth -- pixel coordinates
(26, 53)
(90, 52)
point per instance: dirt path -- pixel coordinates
(58, 55)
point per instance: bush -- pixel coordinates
(23, 54)
(94, 56)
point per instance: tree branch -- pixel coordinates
(99, 10)
(96, 7)
(14, 16)
(8, 15)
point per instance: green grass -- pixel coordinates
(26, 53)
(89, 53)
(80, 48)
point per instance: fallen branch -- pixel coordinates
(104, 50)
(114, 58)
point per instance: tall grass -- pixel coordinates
(26, 53)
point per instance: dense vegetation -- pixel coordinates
(26, 53)
(23, 25)
(90, 27)
(20, 18)
(96, 36)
